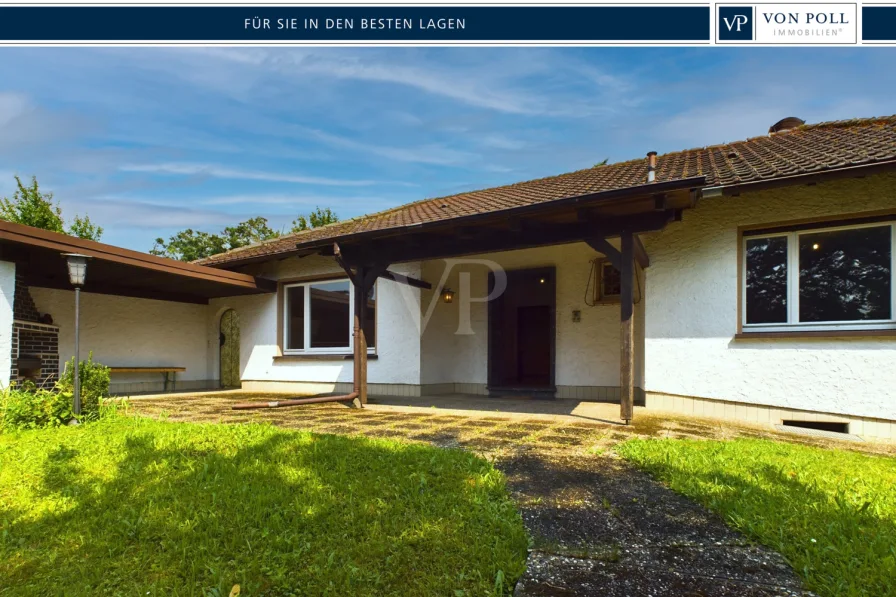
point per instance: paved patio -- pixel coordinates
(598, 526)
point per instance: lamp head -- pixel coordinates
(77, 268)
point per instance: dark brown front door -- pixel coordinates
(534, 345)
(521, 332)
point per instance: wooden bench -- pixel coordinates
(165, 371)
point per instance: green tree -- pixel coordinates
(31, 207)
(317, 218)
(189, 244)
(251, 231)
(84, 228)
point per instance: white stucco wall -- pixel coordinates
(398, 339)
(587, 352)
(126, 331)
(7, 294)
(691, 312)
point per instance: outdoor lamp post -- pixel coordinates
(77, 274)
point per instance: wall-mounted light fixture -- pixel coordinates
(447, 295)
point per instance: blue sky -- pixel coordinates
(148, 141)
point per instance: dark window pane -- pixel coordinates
(330, 308)
(767, 280)
(611, 281)
(845, 275)
(370, 325)
(295, 318)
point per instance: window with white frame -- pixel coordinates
(319, 317)
(820, 278)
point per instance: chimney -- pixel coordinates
(651, 166)
(786, 124)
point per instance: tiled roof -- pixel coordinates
(804, 150)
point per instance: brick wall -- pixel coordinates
(23, 305)
(30, 338)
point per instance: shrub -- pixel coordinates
(94, 379)
(23, 409)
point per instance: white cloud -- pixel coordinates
(499, 141)
(12, 105)
(426, 154)
(215, 171)
(293, 200)
(24, 126)
(129, 213)
(501, 82)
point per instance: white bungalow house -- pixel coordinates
(751, 280)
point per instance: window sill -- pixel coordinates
(815, 334)
(321, 357)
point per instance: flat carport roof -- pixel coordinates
(117, 271)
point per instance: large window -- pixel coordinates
(820, 279)
(319, 317)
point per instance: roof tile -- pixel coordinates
(806, 149)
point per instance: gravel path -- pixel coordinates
(599, 527)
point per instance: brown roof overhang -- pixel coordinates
(528, 211)
(118, 271)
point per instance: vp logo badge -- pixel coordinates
(735, 23)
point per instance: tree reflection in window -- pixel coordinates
(845, 274)
(767, 280)
(330, 314)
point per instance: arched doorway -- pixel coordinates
(230, 349)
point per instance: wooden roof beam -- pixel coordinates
(396, 251)
(403, 279)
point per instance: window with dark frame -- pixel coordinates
(610, 281)
(820, 278)
(319, 317)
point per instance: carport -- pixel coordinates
(32, 258)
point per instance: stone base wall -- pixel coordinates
(866, 427)
(587, 393)
(123, 389)
(306, 388)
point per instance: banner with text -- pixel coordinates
(638, 24)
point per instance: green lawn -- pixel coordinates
(831, 513)
(132, 506)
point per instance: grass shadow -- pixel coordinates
(145, 507)
(831, 514)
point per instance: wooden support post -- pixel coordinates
(627, 340)
(360, 340)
